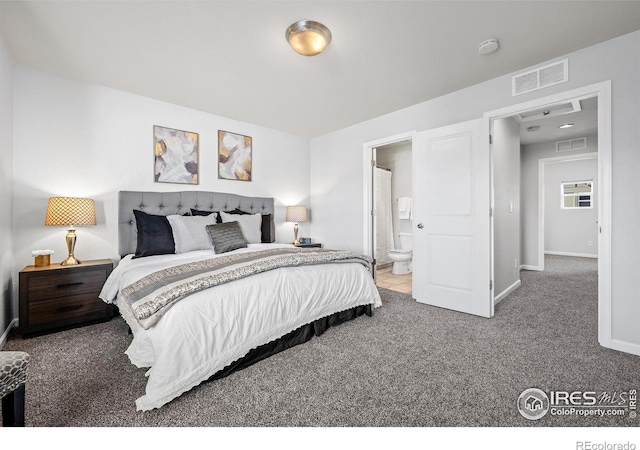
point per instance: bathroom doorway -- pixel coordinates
(389, 229)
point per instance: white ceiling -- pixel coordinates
(232, 59)
(584, 119)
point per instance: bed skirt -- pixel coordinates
(295, 337)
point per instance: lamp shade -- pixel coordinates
(296, 214)
(70, 211)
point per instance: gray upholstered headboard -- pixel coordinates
(167, 203)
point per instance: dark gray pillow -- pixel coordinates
(226, 237)
(197, 212)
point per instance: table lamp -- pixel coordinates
(296, 214)
(69, 212)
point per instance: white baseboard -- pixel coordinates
(527, 267)
(5, 335)
(578, 255)
(626, 347)
(506, 292)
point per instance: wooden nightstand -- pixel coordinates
(314, 245)
(55, 297)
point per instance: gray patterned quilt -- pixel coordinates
(152, 296)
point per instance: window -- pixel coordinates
(576, 194)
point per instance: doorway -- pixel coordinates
(532, 256)
(388, 189)
(545, 173)
(393, 191)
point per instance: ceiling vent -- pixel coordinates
(571, 145)
(546, 112)
(542, 77)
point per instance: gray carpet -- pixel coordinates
(411, 365)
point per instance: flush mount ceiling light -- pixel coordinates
(533, 128)
(488, 46)
(308, 38)
(567, 125)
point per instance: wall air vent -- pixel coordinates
(541, 77)
(571, 145)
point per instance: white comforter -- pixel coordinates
(207, 331)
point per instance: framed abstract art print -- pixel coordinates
(234, 156)
(176, 155)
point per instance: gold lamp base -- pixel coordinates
(295, 234)
(71, 243)
(70, 261)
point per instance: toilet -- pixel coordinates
(401, 257)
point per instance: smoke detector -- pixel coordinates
(488, 46)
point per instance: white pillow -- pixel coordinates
(250, 225)
(190, 233)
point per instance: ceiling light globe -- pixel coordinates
(308, 38)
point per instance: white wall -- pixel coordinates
(337, 182)
(6, 179)
(506, 204)
(568, 231)
(78, 139)
(530, 155)
(397, 157)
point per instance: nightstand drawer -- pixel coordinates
(48, 286)
(66, 308)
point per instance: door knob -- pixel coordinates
(420, 226)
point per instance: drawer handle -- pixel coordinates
(68, 308)
(66, 285)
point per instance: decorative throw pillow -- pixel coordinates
(265, 228)
(155, 236)
(189, 232)
(226, 237)
(197, 212)
(250, 224)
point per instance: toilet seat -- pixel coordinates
(401, 251)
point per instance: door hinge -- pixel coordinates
(373, 163)
(490, 285)
(490, 212)
(490, 139)
(373, 212)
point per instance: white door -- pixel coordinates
(451, 220)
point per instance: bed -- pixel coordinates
(200, 314)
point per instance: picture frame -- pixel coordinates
(234, 156)
(176, 155)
